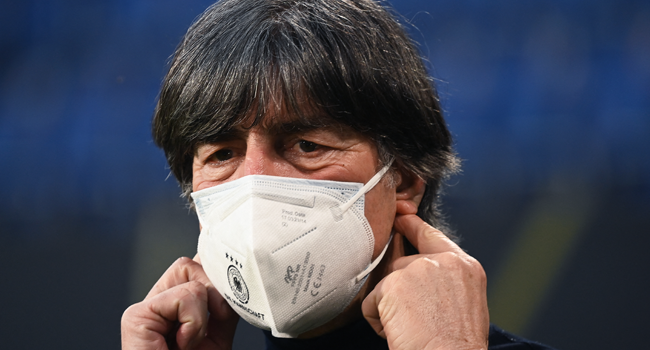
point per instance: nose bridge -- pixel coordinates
(259, 154)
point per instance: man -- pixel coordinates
(320, 90)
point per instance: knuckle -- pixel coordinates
(477, 269)
(464, 264)
(133, 315)
(450, 260)
(449, 257)
(185, 269)
(426, 264)
(129, 313)
(182, 262)
(194, 290)
(176, 274)
(471, 262)
(179, 268)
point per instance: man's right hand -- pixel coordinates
(182, 311)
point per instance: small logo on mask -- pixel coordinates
(291, 275)
(237, 284)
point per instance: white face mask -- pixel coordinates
(287, 254)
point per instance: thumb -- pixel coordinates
(222, 322)
(370, 310)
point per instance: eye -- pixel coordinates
(307, 146)
(222, 154)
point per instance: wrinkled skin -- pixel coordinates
(433, 300)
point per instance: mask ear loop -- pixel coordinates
(339, 211)
(373, 264)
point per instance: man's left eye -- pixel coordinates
(307, 146)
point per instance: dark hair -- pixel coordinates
(349, 59)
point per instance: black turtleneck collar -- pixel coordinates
(359, 335)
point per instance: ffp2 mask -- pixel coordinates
(287, 254)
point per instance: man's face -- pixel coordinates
(283, 146)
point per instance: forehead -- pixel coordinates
(281, 114)
(282, 120)
(292, 123)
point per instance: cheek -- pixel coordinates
(199, 182)
(203, 177)
(380, 212)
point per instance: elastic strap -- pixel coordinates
(373, 264)
(338, 211)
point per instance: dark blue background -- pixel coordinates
(548, 101)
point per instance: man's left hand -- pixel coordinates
(433, 300)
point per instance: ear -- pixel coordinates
(409, 192)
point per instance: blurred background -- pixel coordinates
(548, 101)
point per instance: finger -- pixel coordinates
(217, 305)
(222, 322)
(370, 310)
(187, 304)
(181, 271)
(426, 239)
(403, 262)
(149, 323)
(221, 330)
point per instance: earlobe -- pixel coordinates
(409, 192)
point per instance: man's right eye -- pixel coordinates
(222, 154)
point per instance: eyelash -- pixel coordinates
(312, 146)
(221, 156)
(225, 154)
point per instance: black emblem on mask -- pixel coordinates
(237, 284)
